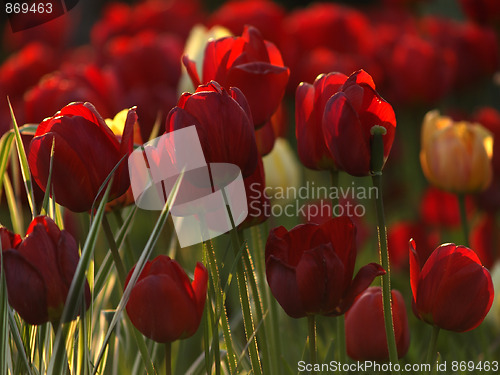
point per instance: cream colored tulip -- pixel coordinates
(195, 50)
(456, 156)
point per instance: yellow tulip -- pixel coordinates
(456, 156)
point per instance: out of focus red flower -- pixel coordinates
(475, 47)
(398, 236)
(73, 84)
(310, 102)
(224, 124)
(175, 17)
(484, 239)
(433, 71)
(265, 15)
(325, 37)
(348, 120)
(39, 270)
(366, 339)
(147, 67)
(309, 268)
(482, 11)
(54, 33)
(440, 209)
(452, 290)
(85, 152)
(250, 63)
(164, 305)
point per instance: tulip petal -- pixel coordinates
(363, 279)
(414, 268)
(199, 286)
(358, 78)
(283, 284)
(26, 289)
(265, 139)
(341, 232)
(320, 273)
(345, 137)
(161, 310)
(190, 66)
(256, 78)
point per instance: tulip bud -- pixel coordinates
(456, 156)
(364, 326)
(39, 270)
(164, 304)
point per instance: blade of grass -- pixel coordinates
(6, 143)
(4, 324)
(44, 209)
(15, 210)
(107, 264)
(28, 185)
(77, 287)
(19, 342)
(262, 336)
(220, 306)
(146, 253)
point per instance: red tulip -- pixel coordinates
(309, 268)
(85, 152)
(365, 330)
(348, 119)
(265, 15)
(440, 209)
(164, 304)
(257, 200)
(483, 238)
(39, 270)
(224, 124)
(310, 101)
(250, 63)
(452, 290)
(482, 11)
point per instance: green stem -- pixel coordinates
(168, 358)
(243, 292)
(311, 323)
(431, 354)
(463, 218)
(120, 268)
(56, 327)
(386, 279)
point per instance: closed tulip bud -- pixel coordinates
(364, 326)
(85, 152)
(451, 290)
(310, 268)
(349, 120)
(39, 270)
(456, 156)
(164, 304)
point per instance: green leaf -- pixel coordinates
(5, 148)
(56, 365)
(28, 185)
(146, 253)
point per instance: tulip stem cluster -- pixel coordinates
(243, 292)
(377, 156)
(311, 322)
(463, 218)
